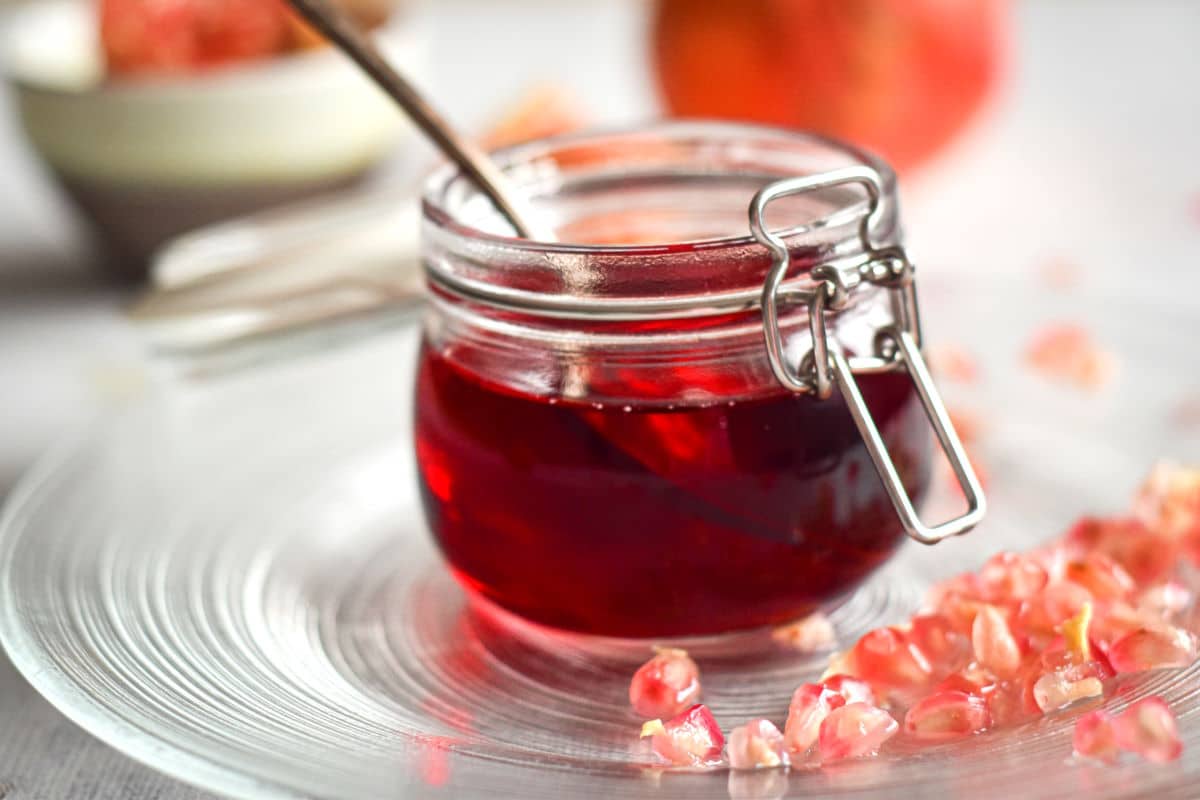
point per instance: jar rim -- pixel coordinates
(437, 183)
(456, 216)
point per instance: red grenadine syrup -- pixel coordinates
(658, 520)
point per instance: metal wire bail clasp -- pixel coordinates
(897, 346)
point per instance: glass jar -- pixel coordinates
(603, 442)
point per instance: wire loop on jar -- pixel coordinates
(897, 346)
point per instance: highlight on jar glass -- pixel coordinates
(703, 409)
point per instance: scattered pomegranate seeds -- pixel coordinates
(1148, 648)
(851, 689)
(809, 635)
(1056, 690)
(1148, 729)
(947, 715)
(1170, 501)
(1028, 634)
(855, 730)
(1011, 576)
(1104, 578)
(691, 739)
(1067, 353)
(665, 685)
(887, 660)
(1128, 541)
(1165, 599)
(935, 636)
(756, 744)
(1094, 737)
(995, 647)
(967, 424)
(1060, 274)
(1076, 632)
(811, 703)
(543, 110)
(952, 362)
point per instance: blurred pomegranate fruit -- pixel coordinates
(899, 77)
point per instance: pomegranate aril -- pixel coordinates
(971, 679)
(855, 730)
(1066, 352)
(665, 685)
(1103, 577)
(1153, 648)
(1007, 703)
(811, 703)
(886, 659)
(1075, 668)
(963, 585)
(1007, 577)
(953, 362)
(947, 715)
(993, 642)
(1095, 738)
(1057, 603)
(689, 739)
(960, 609)
(945, 648)
(1164, 599)
(1056, 690)
(547, 109)
(852, 690)
(809, 635)
(1145, 555)
(1169, 500)
(1148, 729)
(1075, 634)
(756, 744)
(1113, 621)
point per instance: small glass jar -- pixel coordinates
(604, 444)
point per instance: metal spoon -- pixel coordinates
(342, 31)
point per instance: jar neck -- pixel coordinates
(653, 222)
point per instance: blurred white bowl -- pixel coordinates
(149, 158)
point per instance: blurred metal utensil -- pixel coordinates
(335, 25)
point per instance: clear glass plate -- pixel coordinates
(230, 580)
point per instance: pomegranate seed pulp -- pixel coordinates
(652, 521)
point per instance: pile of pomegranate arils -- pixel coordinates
(1028, 634)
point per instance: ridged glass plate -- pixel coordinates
(230, 581)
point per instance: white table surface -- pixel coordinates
(1087, 156)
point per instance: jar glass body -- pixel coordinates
(601, 443)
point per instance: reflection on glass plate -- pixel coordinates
(230, 581)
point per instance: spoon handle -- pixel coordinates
(336, 26)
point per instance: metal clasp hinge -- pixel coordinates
(897, 346)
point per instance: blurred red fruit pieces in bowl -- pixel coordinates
(141, 37)
(164, 36)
